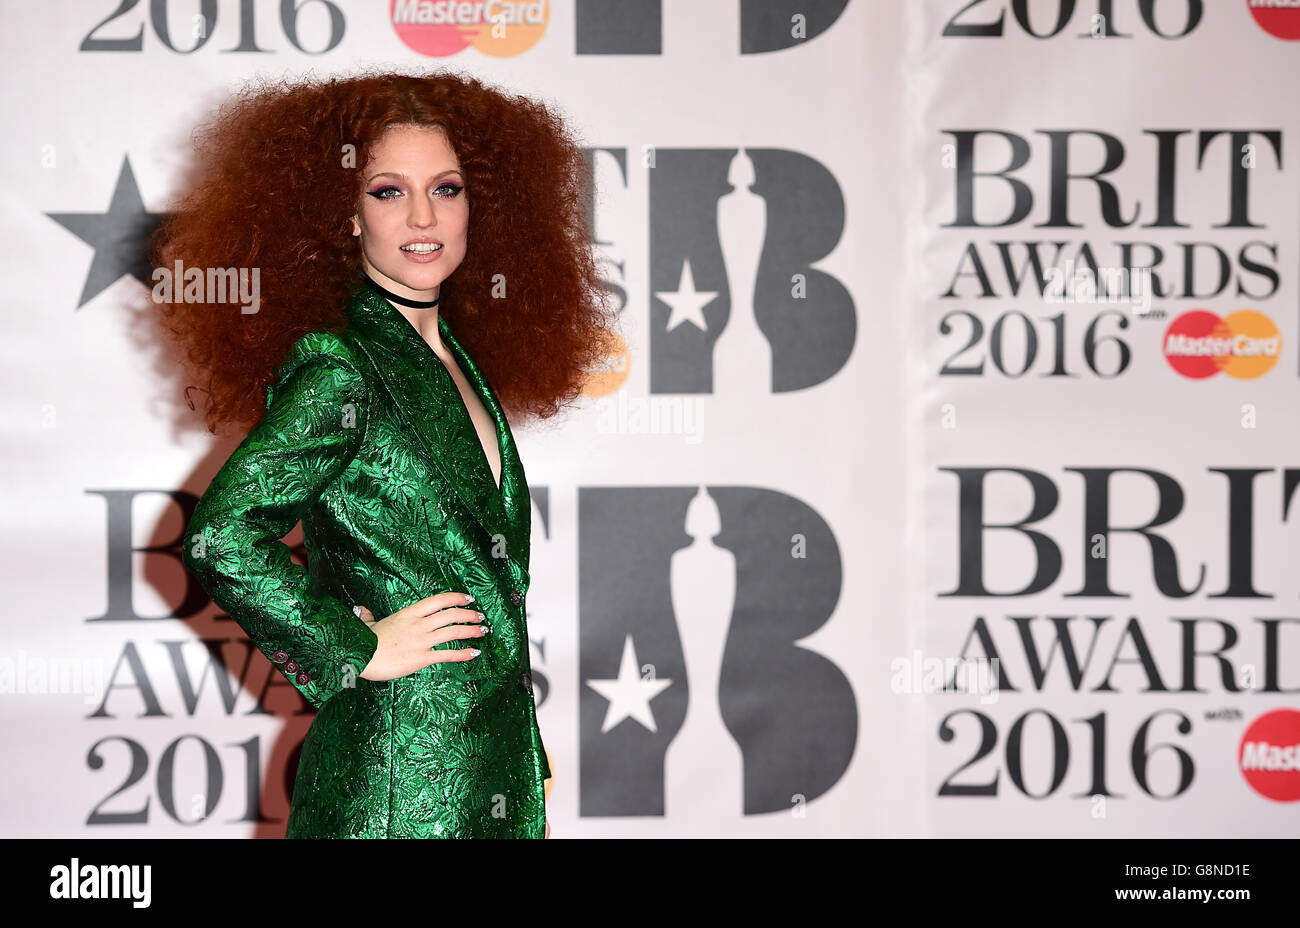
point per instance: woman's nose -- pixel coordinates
(422, 214)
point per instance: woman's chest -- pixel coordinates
(484, 426)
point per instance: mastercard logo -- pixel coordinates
(611, 373)
(1245, 344)
(438, 28)
(1269, 755)
(1279, 19)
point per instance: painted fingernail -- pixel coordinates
(474, 652)
(481, 616)
(468, 598)
(357, 611)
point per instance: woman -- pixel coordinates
(397, 223)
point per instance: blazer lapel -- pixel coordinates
(427, 397)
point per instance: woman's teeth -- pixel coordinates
(422, 248)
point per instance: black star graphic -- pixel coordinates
(120, 237)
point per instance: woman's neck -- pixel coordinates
(421, 314)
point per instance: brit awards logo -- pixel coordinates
(738, 305)
(698, 702)
(690, 631)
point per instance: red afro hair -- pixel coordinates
(281, 170)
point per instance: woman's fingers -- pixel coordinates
(446, 657)
(443, 634)
(415, 631)
(450, 618)
(453, 623)
(431, 604)
(456, 632)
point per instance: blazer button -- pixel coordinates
(303, 678)
(291, 667)
(526, 681)
(280, 656)
(516, 597)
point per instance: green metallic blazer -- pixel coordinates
(367, 441)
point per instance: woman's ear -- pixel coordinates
(356, 226)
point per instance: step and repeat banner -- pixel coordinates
(947, 483)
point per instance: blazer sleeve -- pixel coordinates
(313, 426)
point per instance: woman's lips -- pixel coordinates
(420, 258)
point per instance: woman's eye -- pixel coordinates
(446, 191)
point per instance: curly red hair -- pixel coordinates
(276, 193)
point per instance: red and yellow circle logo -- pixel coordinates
(501, 28)
(1282, 21)
(610, 375)
(1269, 755)
(1244, 344)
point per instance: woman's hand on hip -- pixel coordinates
(406, 636)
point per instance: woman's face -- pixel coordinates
(413, 196)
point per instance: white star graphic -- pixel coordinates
(686, 301)
(629, 696)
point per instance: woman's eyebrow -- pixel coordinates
(402, 176)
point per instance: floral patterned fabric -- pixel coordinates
(368, 442)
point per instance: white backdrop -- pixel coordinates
(736, 616)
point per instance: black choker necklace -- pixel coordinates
(405, 301)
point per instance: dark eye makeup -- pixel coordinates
(381, 193)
